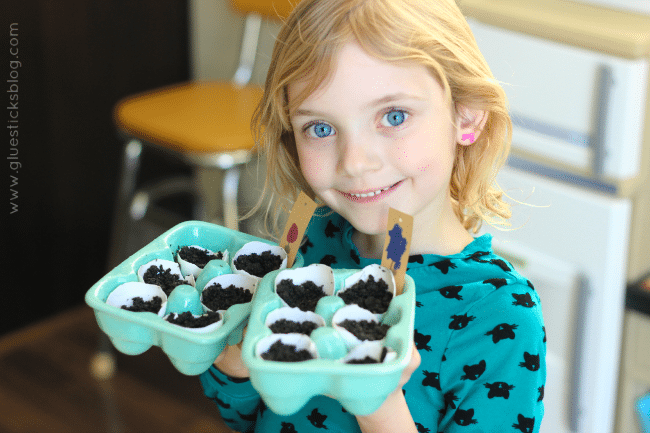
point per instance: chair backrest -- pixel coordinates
(272, 9)
(254, 10)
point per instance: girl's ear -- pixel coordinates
(469, 124)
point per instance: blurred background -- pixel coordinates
(576, 73)
(78, 58)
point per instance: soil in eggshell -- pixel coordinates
(187, 319)
(162, 277)
(286, 353)
(197, 256)
(365, 329)
(284, 326)
(139, 305)
(258, 264)
(304, 296)
(371, 295)
(216, 297)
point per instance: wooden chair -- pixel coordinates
(205, 124)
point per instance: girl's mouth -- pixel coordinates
(372, 196)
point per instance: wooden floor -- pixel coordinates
(46, 385)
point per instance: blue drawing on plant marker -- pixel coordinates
(396, 245)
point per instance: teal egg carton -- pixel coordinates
(286, 387)
(190, 351)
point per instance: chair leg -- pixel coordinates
(147, 196)
(230, 186)
(103, 362)
(200, 208)
(122, 217)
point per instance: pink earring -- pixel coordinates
(469, 137)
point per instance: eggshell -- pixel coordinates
(123, 295)
(378, 272)
(373, 349)
(300, 341)
(245, 281)
(188, 268)
(294, 315)
(258, 248)
(351, 312)
(167, 264)
(211, 327)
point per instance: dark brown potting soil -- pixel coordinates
(286, 353)
(217, 298)
(187, 320)
(304, 296)
(140, 305)
(258, 264)
(284, 326)
(162, 277)
(365, 329)
(197, 256)
(371, 295)
(366, 360)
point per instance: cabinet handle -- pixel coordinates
(605, 79)
(577, 406)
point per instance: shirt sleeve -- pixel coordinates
(237, 400)
(494, 369)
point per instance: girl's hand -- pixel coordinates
(229, 361)
(393, 416)
(410, 368)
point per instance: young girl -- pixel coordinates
(371, 104)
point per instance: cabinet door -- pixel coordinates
(574, 242)
(575, 107)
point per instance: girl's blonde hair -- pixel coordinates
(432, 33)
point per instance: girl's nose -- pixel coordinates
(358, 156)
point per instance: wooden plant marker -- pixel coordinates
(294, 229)
(397, 245)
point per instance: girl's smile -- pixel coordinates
(371, 195)
(379, 135)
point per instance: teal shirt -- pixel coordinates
(478, 329)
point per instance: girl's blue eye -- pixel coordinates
(320, 130)
(395, 117)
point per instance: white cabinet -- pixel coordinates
(572, 244)
(578, 135)
(570, 107)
